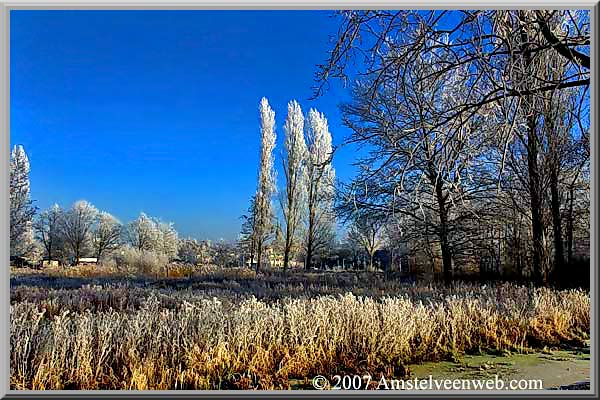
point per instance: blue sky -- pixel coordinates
(157, 111)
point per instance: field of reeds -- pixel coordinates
(229, 329)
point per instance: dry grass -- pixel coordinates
(141, 335)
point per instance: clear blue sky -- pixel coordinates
(157, 111)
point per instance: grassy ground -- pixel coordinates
(215, 329)
(555, 367)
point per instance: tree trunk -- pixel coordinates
(559, 252)
(259, 257)
(311, 226)
(288, 248)
(570, 227)
(77, 254)
(309, 251)
(286, 260)
(537, 224)
(252, 251)
(519, 253)
(532, 164)
(443, 233)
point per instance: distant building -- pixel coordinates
(273, 259)
(50, 263)
(20, 262)
(88, 261)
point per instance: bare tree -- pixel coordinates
(395, 241)
(76, 224)
(434, 175)
(577, 186)
(263, 218)
(294, 163)
(224, 254)
(168, 239)
(190, 251)
(541, 127)
(481, 41)
(498, 56)
(320, 181)
(142, 233)
(153, 235)
(106, 234)
(367, 233)
(48, 230)
(247, 239)
(565, 156)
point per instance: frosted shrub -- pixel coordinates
(144, 262)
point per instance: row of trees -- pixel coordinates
(67, 235)
(306, 202)
(79, 231)
(70, 234)
(477, 125)
(84, 231)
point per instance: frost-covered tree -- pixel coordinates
(437, 175)
(366, 232)
(168, 239)
(76, 226)
(224, 254)
(426, 98)
(320, 179)
(294, 163)
(190, 251)
(247, 241)
(48, 231)
(21, 206)
(106, 235)
(263, 219)
(150, 234)
(142, 233)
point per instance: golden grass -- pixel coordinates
(208, 343)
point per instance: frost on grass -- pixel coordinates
(238, 332)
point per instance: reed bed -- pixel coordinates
(140, 336)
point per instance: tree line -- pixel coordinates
(307, 199)
(477, 125)
(68, 235)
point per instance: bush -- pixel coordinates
(180, 270)
(144, 262)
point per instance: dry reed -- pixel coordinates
(186, 339)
